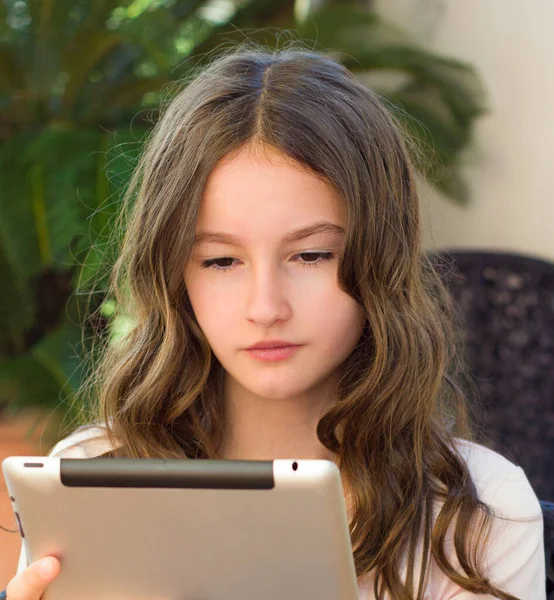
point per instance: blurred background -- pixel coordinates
(80, 82)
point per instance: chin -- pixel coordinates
(277, 389)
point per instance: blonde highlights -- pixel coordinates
(400, 406)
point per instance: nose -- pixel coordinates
(267, 301)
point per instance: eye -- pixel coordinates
(308, 259)
(313, 259)
(218, 264)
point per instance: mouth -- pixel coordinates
(271, 344)
(273, 353)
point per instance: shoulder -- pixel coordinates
(500, 484)
(87, 441)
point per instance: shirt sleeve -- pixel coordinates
(515, 560)
(85, 442)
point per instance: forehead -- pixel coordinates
(259, 192)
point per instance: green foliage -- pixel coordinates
(79, 83)
(60, 194)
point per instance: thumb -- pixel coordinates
(31, 583)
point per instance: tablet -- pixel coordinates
(133, 529)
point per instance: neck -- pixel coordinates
(260, 428)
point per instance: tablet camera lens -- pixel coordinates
(294, 466)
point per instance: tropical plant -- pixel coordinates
(79, 83)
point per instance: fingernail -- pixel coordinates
(47, 568)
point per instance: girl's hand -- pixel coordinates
(31, 583)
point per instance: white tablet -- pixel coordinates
(133, 529)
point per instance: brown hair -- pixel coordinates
(399, 406)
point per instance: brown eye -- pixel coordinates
(312, 259)
(310, 256)
(218, 264)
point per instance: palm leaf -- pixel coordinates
(119, 101)
(11, 75)
(437, 102)
(56, 367)
(84, 51)
(259, 22)
(17, 219)
(17, 309)
(95, 252)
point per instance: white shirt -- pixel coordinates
(515, 560)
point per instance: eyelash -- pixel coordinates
(322, 258)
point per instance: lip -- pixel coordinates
(271, 344)
(266, 353)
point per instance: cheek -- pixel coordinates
(335, 324)
(332, 309)
(215, 310)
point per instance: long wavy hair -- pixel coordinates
(400, 406)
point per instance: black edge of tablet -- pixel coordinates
(167, 473)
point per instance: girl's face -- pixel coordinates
(264, 268)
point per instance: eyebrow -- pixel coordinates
(205, 236)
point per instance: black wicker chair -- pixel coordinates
(548, 514)
(507, 304)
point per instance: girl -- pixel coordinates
(283, 307)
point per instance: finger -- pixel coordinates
(31, 583)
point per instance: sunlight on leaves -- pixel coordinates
(108, 309)
(217, 11)
(120, 327)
